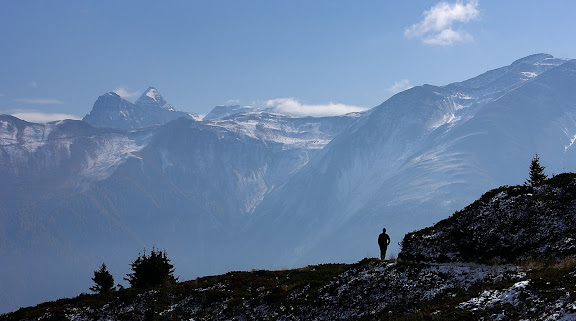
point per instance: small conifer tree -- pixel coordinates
(537, 176)
(150, 271)
(103, 280)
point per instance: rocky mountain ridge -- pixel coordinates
(111, 110)
(223, 111)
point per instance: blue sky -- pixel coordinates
(311, 57)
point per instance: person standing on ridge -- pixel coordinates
(383, 242)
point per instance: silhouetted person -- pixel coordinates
(383, 241)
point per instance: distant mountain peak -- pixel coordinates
(497, 81)
(111, 94)
(153, 93)
(151, 97)
(111, 110)
(222, 111)
(532, 59)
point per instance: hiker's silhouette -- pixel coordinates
(383, 241)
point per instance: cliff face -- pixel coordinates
(506, 224)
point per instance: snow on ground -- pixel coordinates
(490, 298)
(522, 297)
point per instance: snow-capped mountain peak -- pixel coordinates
(111, 94)
(153, 93)
(151, 97)
(222, 111)
(494, 83)
(111, 110)
(533, 59)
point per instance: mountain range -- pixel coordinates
(248, 188)
(110, 110)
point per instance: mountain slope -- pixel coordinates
(421, 154)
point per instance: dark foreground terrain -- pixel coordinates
(367, 290)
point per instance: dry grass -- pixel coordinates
(538, 263)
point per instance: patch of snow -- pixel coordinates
(197, 117)
(490, 298)
(572, 140)
(528, 74)
(153, 93)
(552, 61)
(462, 96)
(446, 119)
(111, 152)
(461, 101)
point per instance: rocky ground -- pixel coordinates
(506, 224)
(368, 290)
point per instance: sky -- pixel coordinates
(306, 57)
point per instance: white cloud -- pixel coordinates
(122, 92)
(294, 107)
(399, 86)
(39, 101)
(437, 27)
(447, 37)
(233, 102)
(40, 117)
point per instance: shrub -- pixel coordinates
(150, 271)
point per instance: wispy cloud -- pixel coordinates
(399, 86)
(41, 117)
(294, 107)
(124, 93)
(438, 25)
(39, 101)
(33, 84)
